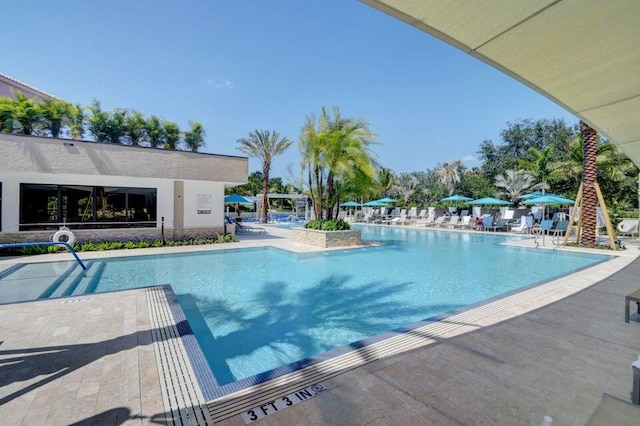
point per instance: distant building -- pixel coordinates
(9, 86)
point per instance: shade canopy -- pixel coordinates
(531, 195)
(387, 200)
(456, 197)
(583, 55)
(375, 203)
(237, 199)
(350, 204)
(548, 199)
(489, 201)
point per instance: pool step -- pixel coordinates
(57, 286)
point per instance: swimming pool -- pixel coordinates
(254, 310)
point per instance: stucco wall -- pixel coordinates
(59, 156)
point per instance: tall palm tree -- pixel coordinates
(449, 174)
(264, 145)
(311, 152)
(194, 138)
(171, 133)
(54, 114)
(135, 128)
(514, 183)
(116, 126)
(589, 179)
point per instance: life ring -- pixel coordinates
(64, 236)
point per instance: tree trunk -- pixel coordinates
(589, 178)
(318, 207)
(265, 196)
(329, 211)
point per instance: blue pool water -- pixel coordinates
(254, 310)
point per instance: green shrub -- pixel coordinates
(328, 225)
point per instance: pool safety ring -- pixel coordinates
(64, 236)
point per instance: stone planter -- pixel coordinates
(326, 239)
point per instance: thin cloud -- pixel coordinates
(220, 83)
(470, 160)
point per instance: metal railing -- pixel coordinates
(47, 243)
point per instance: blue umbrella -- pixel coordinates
(490, 201)
(387, 200)
(457, 198)
(531, 195)
(375, 203)
(350, 204)
(237, 199)
(548, 199)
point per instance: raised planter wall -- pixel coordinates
(327, 239)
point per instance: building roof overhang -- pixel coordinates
(583, 55)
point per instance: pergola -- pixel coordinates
(583, 55)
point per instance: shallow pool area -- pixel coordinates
(254, 310)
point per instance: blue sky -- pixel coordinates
(237, 66)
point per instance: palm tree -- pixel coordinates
(339, 146)
(6, 114)
(589, 179)
(155, 131)
(25, 113)
(311, 152)
(98, 121)
(385, 180)
(135, 128)
(194, 138)
(116, 126)
(76, 121)
(171, 135)
(264, 145)
(54, 114)
(405, 186)
(541, 166)
(514, 183)
(449, 174)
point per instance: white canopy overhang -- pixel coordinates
(584, 55)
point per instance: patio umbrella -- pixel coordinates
(237, 199)
(457, 198)
(375, 203)
(531, 195)
(489, 201)
(547, 200)
(387, 200)
(350, 204)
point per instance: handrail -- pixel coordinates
(47, 243)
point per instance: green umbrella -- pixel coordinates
(350, 204)
(387, 200)
(237, 199)
(548, 199)
(375, 203)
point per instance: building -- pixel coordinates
(9, 86)
(108, 191)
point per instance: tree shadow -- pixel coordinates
(284, 320)
(57, 361)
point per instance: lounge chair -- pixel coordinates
(426, 221)
(244, 229)
(560, 229)
(455, 219)
(526, 223)
(500, 225)
(543, 227)
(438, 221)
(465, 222)
(487, 222)
(401, 220)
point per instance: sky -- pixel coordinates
(240, 65)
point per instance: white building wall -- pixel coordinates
(11, 181)
(191, 191)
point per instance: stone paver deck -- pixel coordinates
(91, 360)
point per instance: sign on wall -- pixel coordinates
(205, 203)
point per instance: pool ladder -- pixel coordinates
(47, 243)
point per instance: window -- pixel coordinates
(86, 207)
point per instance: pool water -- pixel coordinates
(253, 310)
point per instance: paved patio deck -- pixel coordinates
(94, 360)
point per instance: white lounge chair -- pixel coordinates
(465, 222)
